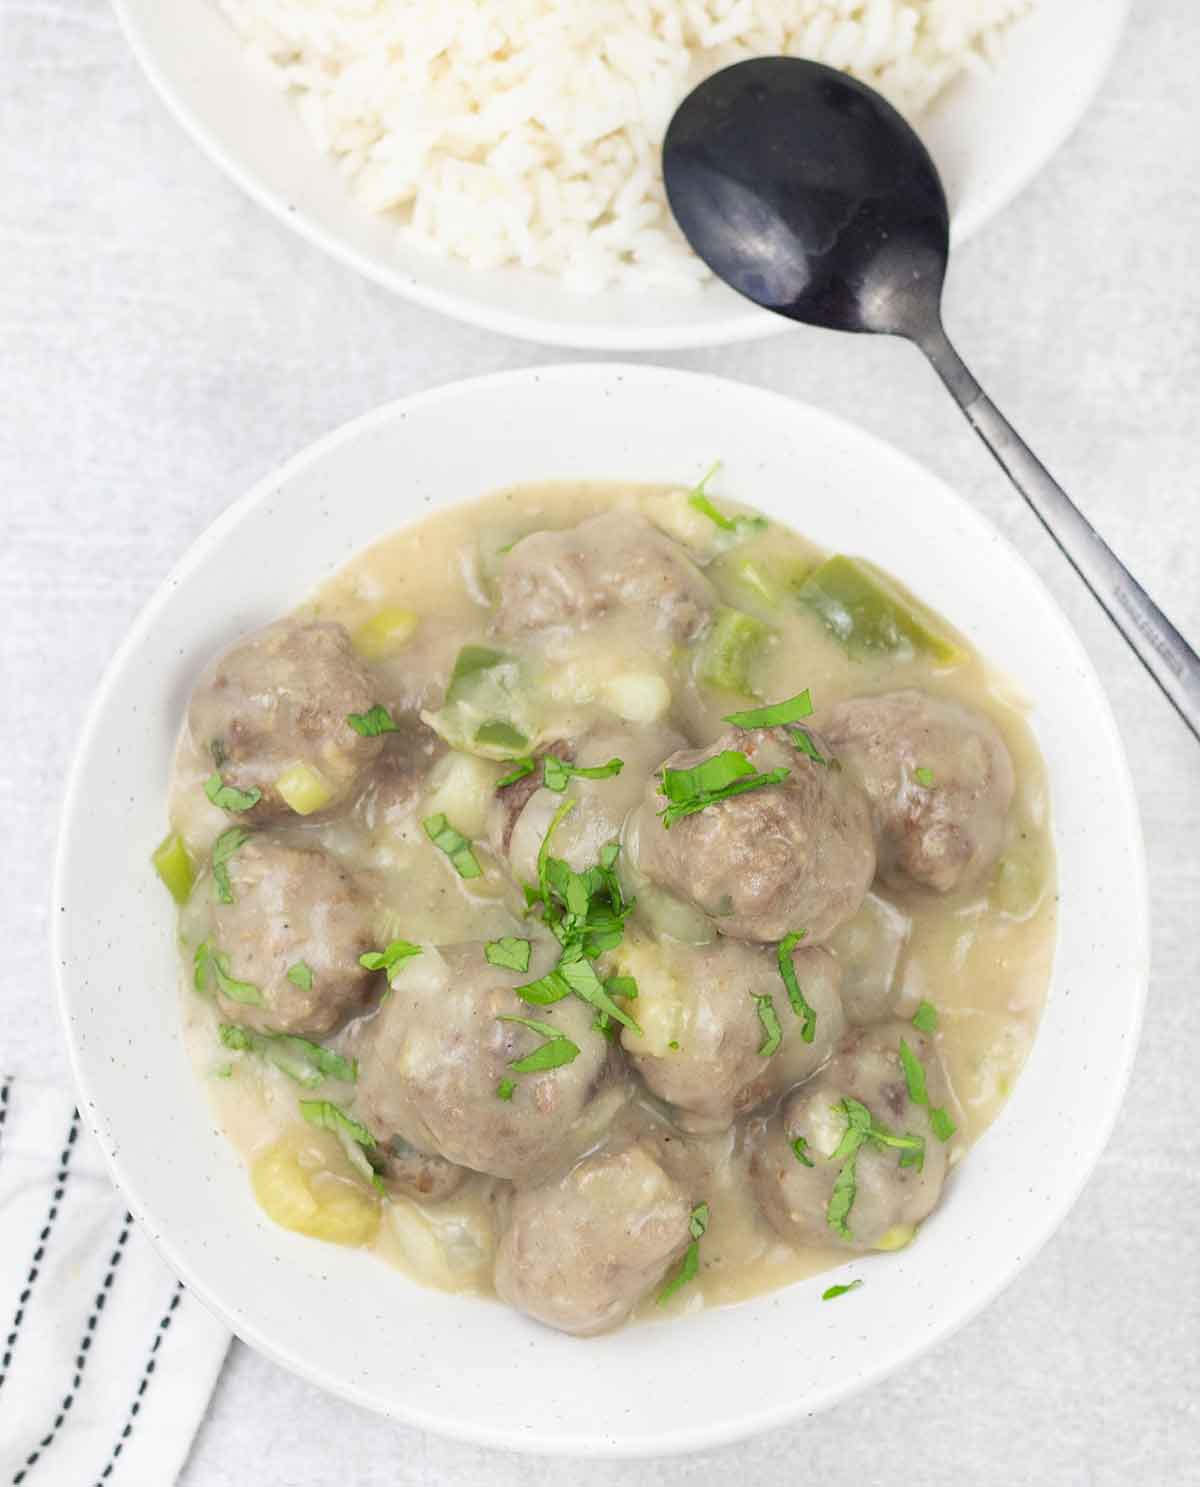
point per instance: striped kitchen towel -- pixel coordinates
(106, 1362)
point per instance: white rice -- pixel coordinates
(528, 131)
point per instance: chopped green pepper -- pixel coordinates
(868, 611)
(728, 652)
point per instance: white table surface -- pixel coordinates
(163, 343)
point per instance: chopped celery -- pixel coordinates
(897, 1237)
(867, 611)
(305, 789)
(385, 633)
(728, 652)
(174, 866)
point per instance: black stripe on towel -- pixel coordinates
(60, 1183)
(81, 1357)
(4, 1100)
(143, 1384)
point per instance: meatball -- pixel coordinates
(940, 780)
(518, 828)
(617, 561)
(393, 790)
(433, 1058)
(793, 856)
(419, 1174)
(278, 700)
(293, 907)
(890, 1198)
(580, 1252)
(701, 1015)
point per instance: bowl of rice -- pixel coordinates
(498, 160)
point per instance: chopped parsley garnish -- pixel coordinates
(690, 1264)
(520, 768)
(301, 975)
(725, 775)
(543, 858)
(508, 952)
(775, 714)
(586, 913)
(914, 1075)
(772, 1034)
(209, 964)
(307, 1063)
(858, 1127)
(545, 991)
(800, 1151)
(841, 1200)
(796, 997)
(835, 1291)
(229, 797)
(557, 774)
(373, 722)
(581, 977)
(355, 1137)
(555, 1051)
(802, 739)
(624, 986)
(506, 1089)
(924, 777)
(740, 525)
(223, 849)
(394, 954)
(456, 847)
(918, 1091)
(861, 1127)
(925, 1018)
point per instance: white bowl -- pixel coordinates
(460, 1365)
(990, 137)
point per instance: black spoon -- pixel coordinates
(808, 193)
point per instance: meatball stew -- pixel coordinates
(600, 898)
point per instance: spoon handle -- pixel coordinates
(1159, 646)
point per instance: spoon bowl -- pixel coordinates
(808, 193)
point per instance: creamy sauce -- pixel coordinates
(983, 958)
